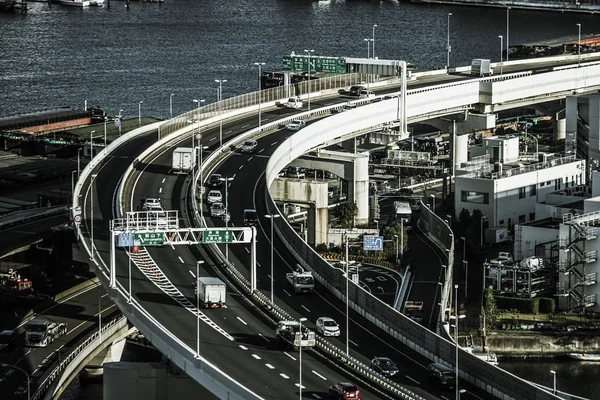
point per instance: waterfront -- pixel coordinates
(57, 56)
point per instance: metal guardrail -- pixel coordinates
(69, 363)
(29, 215)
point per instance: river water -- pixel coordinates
(116, 57)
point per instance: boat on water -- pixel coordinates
(81, 3)
(585, 356)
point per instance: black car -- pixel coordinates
(344, 390)
(384, 366)
(215, 180)
(7, 339)
(250, 217)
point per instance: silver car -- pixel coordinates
(249, 146)
(327, 327)
(214, 196)
(217, 209)
(296, 125)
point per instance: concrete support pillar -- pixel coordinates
(360, 189)
(571, 114)
(559, 125)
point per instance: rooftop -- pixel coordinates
(526, 163)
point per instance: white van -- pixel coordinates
(294, 102)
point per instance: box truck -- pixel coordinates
(184, 160)
(211, 292)
(481, 67)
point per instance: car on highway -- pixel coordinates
(158, 219)
(214, 196)
(344, 390)
(215, 180)
(250, 217)
(217, 209)
(152, 204)
(327, 327)
(7, 340)
(390, 96)
(295, 125)
(249, 146)
(384, 366)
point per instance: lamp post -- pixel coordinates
(140, 113)
(554, 382)
(92, 212)
(92, 144)
(579, 44)
(501, 48)
(171, 104)
(300, 357)
(105, 119)
(374, 26)
(202, 148)
(120, 121)
(198, 307)
(368, 47)
(272, 218)
(456, 318)
(448, 48)
(433, 202)
(396, 237)
(260, 64)
(466, 264)
(308, 51)
(3, 365)
(401, 238)
(481, 228)
(100, 315)
(72, 182)
(198, 102)
(226, 181)
(78, 162)
(507, 26)
(347, 299)
(129, 300)
(220, 82)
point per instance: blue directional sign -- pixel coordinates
(372, 242)
(125, 240)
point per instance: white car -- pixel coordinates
(152, 204)
(217, 209)
(214, 196)
(327, 327)
(249, 146)
(294, 102)
(295, 125)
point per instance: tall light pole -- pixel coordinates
(78, 162)
(448, 48)
(401, 238)
(507, 26)
(199, 102)
(374, 26)
(272, 218)
(202, 148)
(226, 181)
(433, 202)
(92, 212)
(105, 119)
(260, 64)
(466, 264)
(554, 384)
(198, 307)
(396, 237)
(456, 318)
(220, 82)
(368, 47)
(347, 299)
(481, 228)
(120, 121)
(501, 48)
(309, 74)
(3, 365)
(72, 182)
(129, 300)
(100, 315)
(140, 113)
(300, 357)
(579, 45)
(92, 144)
(171, 104)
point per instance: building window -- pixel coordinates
(532, 216)
(475, 197)
(501, 222)
(521, 219)
(532, 190)
(557, 184)
(521, 192)
(542, 184)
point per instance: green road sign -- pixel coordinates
(149, 239)
(216, 237)
(299, 63)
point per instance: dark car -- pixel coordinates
(7, 339)
(344, 390)
(384, 366)
(250, 217)
(215, 180)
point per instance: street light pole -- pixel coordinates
(202, 148)
(72, 182)
(466, 264)
(507, 26)
(501, 48)
(140, 113)
(374, 26)
(92, 144)
(105, 119)
(78, 162)
(199, 102)
(396, 237)
(272, 218)
(347, 299)
(554, 383)
(308, 51)
(226, 180)
(433, 202)
(3, 365)
(220, 82)
(368, 48)
(120, 121)
(260, 64)
(300, 357)
(198, 307)
(100, 315)
(171, 104)
(481, 228)
(579, 45)
(92, 212)
(448, 48)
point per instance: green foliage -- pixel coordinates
(345, 213)
(547, 305)
(526, 306)
(490, 309)
(464, 219)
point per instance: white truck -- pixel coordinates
(301, 281)
(184, 160)
(481, 67)
(288, 332)
(294, 102)
(211, 292)
(414, 310)
(39, 332)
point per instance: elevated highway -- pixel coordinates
(157, 302)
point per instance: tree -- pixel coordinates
(490, 309)
(346, 212)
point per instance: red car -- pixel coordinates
(344, 390)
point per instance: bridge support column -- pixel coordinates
(359, 189)
(113, 269)
(253, 261)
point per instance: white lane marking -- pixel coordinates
(250, 158)
(261, 335)
(242, 321)
(181, 259)
(160, 190)
(194, 275)
(164, 179)
(269, 366)
(353, 342)
(444, 397)
(33, 373)
(173, 247)
(247, 251)
(284, 376)
(305, 308)
(261, 150)
(269, 276)
(319, 375)
(233, 176)
(316, 396)
(212, 139)
(290, 356)
(243, 347)
(256, 356)
(297, 384)
(241, 166)
(286, 292)
(228, 132)
(257, 263)
(414, 380)
(245, 126)
(273, 144)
